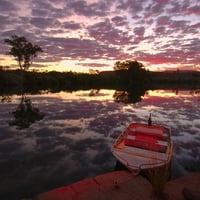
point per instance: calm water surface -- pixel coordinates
(74, 138)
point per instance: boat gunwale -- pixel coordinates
(124, 134)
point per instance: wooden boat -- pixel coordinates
(143, 146)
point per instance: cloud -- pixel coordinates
(161, 1)
(3, 21)
(99, 65)
(139, 31)
(194, 10)
(40, 12)
(155, 58)
(163, 20)
(131, 6)
(43, 23)
(170, 55)
(57, 10)
(71, 25)
(105, 32)
(104, 29)
(7, 6)
(119, 21)
(94, 9)
(76, 48)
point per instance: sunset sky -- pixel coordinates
(79, 35)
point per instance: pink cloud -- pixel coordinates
(163, 20)
(119, 21)
(139, 31)
(105, 32)
(194, 10)
(93, 64)
(161, 1)
(111, 30)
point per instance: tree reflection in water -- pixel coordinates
(128, 96)
(94, 92)
(25, 114)
(121, 96)
(5, 98)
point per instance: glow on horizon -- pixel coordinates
(84, 66)
(167, 93)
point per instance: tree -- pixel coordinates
(25, 114)
(130, 71)
(23, 50)
(131, 65)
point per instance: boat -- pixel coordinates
(143, 146)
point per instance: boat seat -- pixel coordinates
(146, 127)
(146, 143)
(159, 136)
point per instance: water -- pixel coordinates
(73, 139)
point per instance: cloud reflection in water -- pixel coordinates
(73, 139)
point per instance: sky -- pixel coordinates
(85, 35)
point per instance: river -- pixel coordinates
(72, 138)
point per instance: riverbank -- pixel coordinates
(30, 81)
(120, 185)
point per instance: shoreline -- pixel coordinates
(120, 185)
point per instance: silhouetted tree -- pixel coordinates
(23, 50)
(25, 114)
(128, 65)
(129, 96)
(130, 71)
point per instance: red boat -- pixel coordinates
(143, 146)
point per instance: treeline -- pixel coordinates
(120, 79)
(55, 81)
(179, 79)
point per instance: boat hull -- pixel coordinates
(142, 147)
